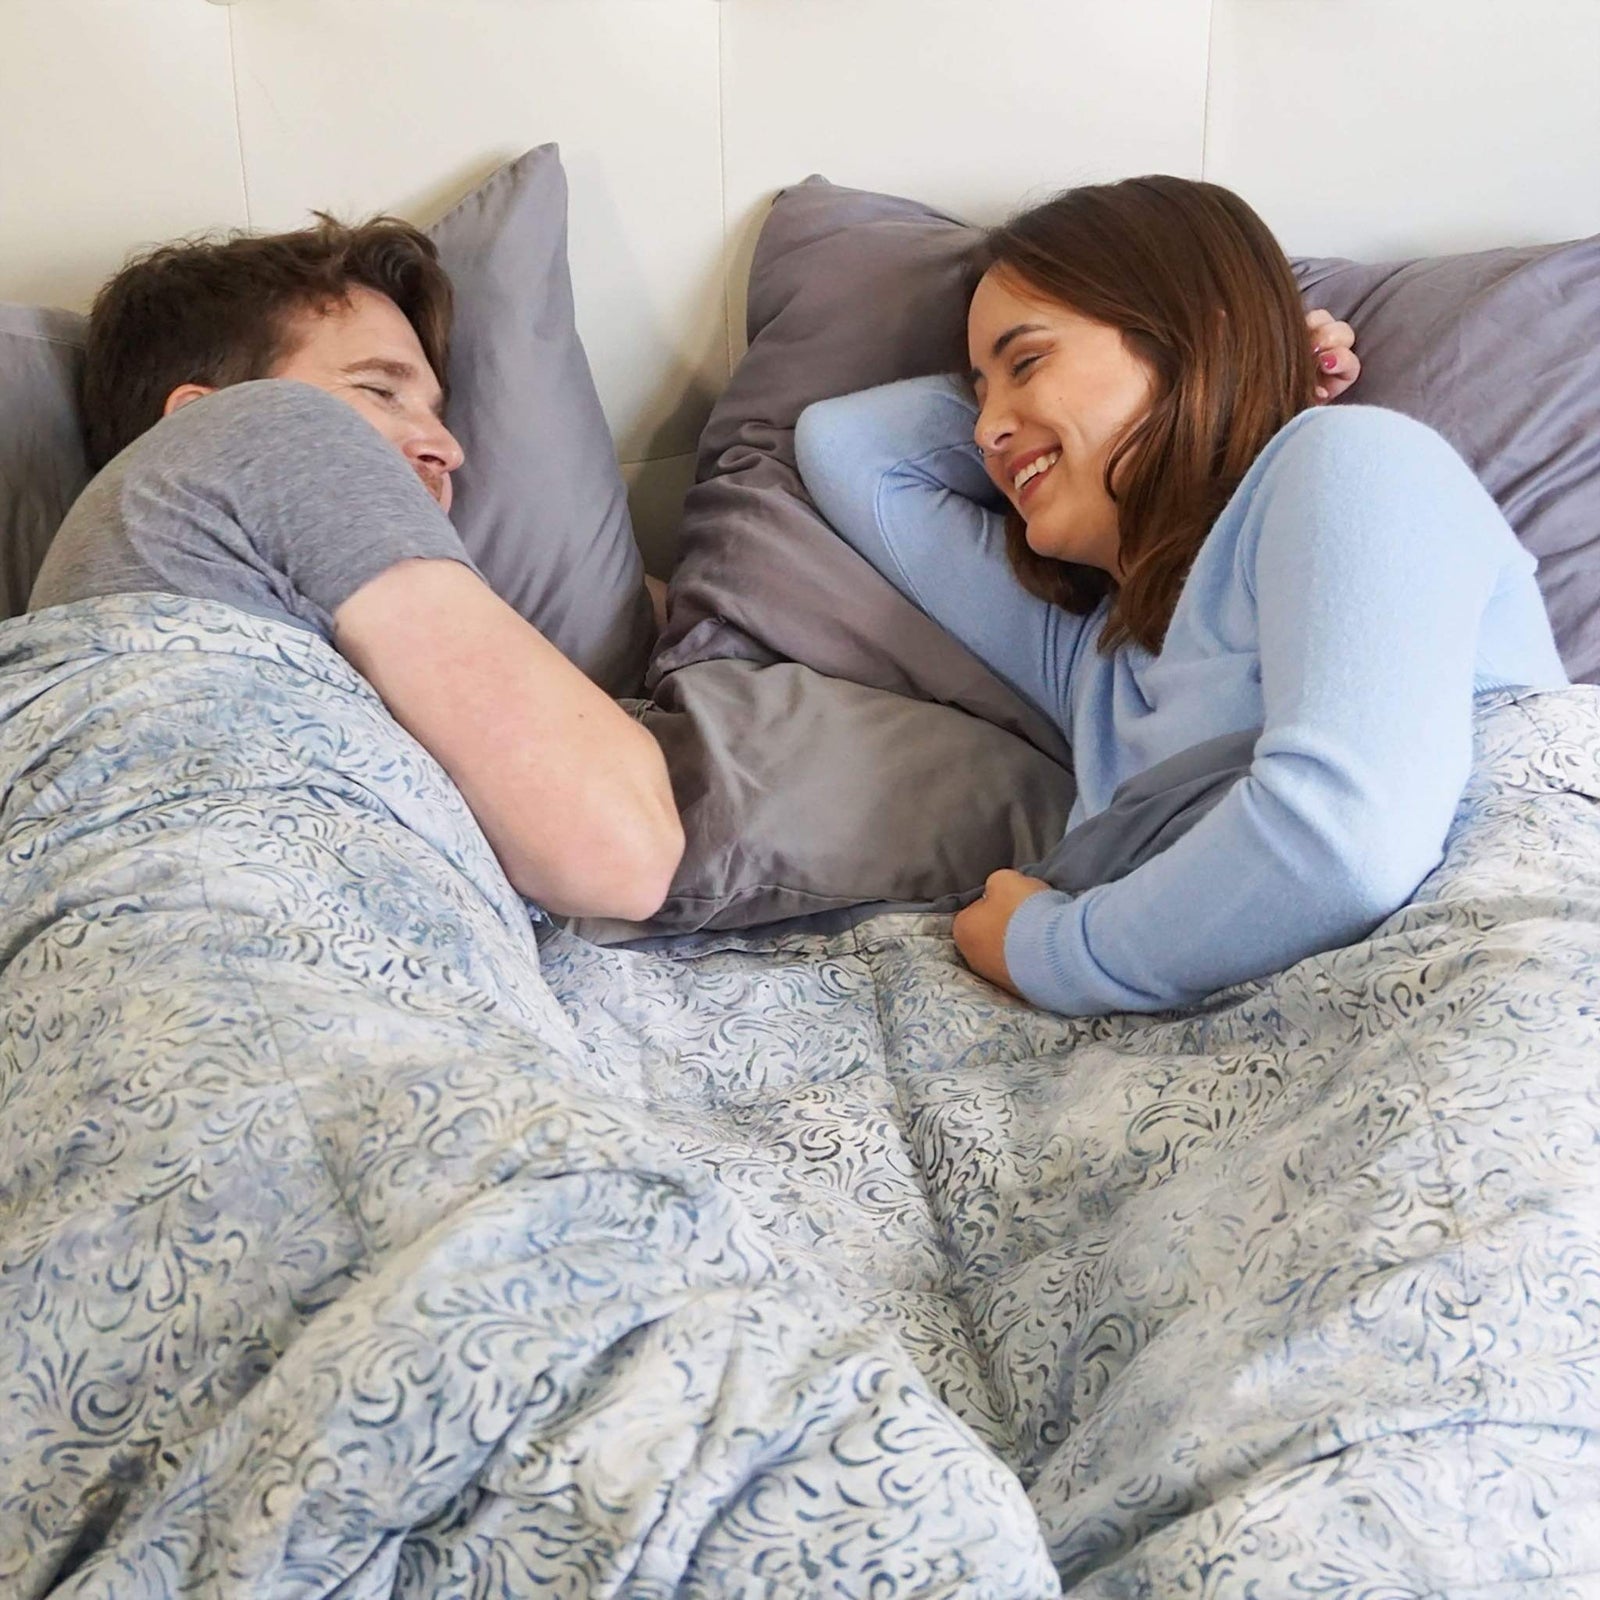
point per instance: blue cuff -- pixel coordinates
(1032, 936)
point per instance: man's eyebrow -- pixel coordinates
(400, 371)
(1006, 338)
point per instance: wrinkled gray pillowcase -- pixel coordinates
(881, 761)
(1498, 352)
(847, 289)
(803, 794)
(540, 503)
(42, 465)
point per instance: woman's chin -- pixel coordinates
(1039, 541)
(1044, 539)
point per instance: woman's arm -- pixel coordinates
(1372, 553)
(896, 472)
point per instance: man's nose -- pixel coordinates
(436, 448)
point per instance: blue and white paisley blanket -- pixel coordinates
(352, 1245)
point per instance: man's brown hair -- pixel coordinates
(221, 311)
(1203, 293)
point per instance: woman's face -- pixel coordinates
(1056, 393)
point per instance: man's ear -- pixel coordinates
(183, 395)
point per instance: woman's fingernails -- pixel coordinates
(1328, 362)
(1321, 394)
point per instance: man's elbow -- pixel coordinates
(642, 867)
(623, 868)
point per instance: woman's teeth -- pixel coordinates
(1038, 465)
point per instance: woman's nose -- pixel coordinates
(992, 430)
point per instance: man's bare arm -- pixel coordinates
(570, 791)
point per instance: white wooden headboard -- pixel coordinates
(1368, 127)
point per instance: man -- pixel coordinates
(272, 497)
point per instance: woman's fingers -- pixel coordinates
(1332, 345)
(1327, 334)
(1336, 371)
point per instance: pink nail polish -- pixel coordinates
(1328, 362)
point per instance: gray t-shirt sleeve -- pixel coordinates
(272, 496)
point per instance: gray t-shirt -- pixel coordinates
(272, 496)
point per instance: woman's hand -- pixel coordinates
(980, 930)
(1333, 345)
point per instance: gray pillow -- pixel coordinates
(540, 504)
(847, 289)
(1498, 352)
(881, 761)
(802, 793)
(42, 464)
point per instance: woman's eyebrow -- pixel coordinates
(1015, 333)
(1005, 339)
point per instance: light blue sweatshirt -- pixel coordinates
(1354, 593)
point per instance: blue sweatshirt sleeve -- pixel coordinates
(1370, 553)
(896, 472)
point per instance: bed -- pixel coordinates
(362, 1233)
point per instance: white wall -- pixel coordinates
(1355, 126)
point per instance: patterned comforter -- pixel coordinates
(351, 1243)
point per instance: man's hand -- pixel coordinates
(1333, 345)
(980, 930)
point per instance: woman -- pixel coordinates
(1134, 514)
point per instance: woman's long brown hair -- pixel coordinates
(1202, 292)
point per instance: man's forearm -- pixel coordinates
(570, 791)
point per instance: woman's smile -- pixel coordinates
(1029, 470)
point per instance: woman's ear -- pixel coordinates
(183, 395)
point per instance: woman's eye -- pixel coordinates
(1022, 366)
(379, 390)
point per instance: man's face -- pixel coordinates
(364, 352)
